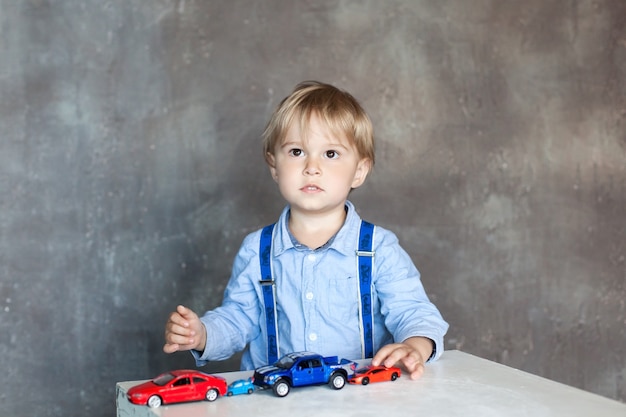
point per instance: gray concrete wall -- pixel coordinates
(130, 170)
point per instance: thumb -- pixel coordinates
(186, 313)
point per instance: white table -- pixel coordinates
(458, 384)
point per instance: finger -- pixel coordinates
(417, 371)
(170, 347)
(176, 347)
(186, 313)
(414, 364)
(382, 354)
(180, 330)
(176, 319)
(411, 358)
(390, 355)
(182, 342)
(400, 354)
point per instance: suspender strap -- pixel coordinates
(268, 288)
(365, 259)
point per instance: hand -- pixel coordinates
(412, 353)
(184, 331)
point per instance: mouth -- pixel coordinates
(310, 188)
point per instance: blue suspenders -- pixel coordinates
(268, 287)
(364, 255)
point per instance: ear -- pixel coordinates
(271, 162)
(362, 169)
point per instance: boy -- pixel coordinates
(319, 146)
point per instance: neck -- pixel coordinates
(315, 230)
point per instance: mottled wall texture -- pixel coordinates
(131, 169)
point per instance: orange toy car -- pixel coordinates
(372, 373)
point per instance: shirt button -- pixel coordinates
(313, 337)
(309, 296)
(311, 257)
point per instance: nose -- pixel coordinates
(312, 167)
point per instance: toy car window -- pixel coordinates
(197, 380)
(182, 381)
(316, 363)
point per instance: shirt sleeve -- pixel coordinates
(405, 305)
(235, 323)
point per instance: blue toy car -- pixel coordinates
(299, 369)
(241, 386)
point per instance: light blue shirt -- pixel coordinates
(317, 298)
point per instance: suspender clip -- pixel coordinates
(365, 253)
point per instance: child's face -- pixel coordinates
(315, 173)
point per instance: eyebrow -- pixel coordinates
(299, 143)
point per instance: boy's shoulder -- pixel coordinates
(382, 234)
(250, 242)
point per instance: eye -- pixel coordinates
(295, 152)
(332, 154)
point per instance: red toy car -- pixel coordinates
(176, 387)
(371, 373)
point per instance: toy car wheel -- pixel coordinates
(154, 401)
(212, 394)
(229, 393)
(394, 376)
(250, 390)
(337, 380)
(365, 381)
(281, 388)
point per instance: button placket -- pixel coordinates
(308, 285)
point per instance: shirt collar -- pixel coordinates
(344, 241)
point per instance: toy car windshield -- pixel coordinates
(163, 379)
(285, 362)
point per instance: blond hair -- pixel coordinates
(337, 109)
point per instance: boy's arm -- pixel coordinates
(413, 320)
(230, 327)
